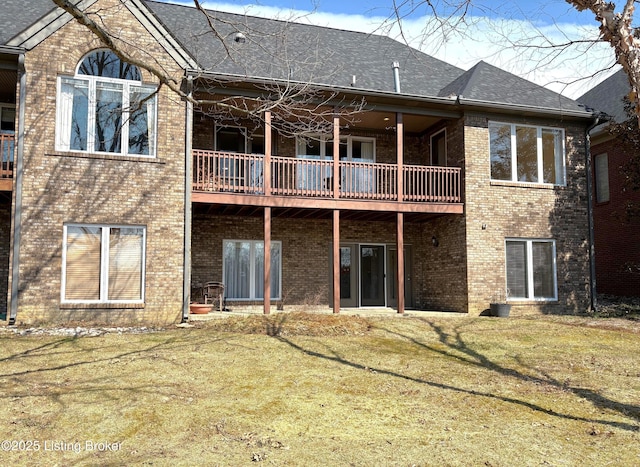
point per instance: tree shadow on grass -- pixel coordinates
(467, 355)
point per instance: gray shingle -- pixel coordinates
(488, 83)
(608, 96)
(275, 48)
(17, 15)
(322, 55)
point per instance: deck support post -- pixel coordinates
(336, 261)
(400, 155)
(267, 260)
(266, 172)
(336, 157)
(400, 255)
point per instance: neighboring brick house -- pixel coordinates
(617, 236)
(114, 213)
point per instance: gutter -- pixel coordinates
(524, 108)
(456, 103)
(597, 120)
(186, 273)
(17, 203)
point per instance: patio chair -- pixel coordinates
(213, 292)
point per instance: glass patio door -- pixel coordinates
(372, 275)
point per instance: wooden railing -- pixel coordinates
(215, 171)
(7, 143)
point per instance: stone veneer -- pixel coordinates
(61, 187)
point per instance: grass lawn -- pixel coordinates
(298, 389)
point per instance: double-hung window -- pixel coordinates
(243, 269)
(105, 108)
(531, 269)
(528, 154)
(103, 264)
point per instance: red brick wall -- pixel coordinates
(617, 239)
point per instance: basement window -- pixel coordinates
(103, 264)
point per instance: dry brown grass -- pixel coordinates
(333, 390)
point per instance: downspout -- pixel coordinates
(592, 259)
(186, 275)
(17, 214)
(396, 76)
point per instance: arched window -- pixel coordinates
(105, 108)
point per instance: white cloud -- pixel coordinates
(515, 46)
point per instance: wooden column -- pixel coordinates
(336, 157)
(336, 261)
(399, 154)
(266, 172)
(400, 254)
(267, 260)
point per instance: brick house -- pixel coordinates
(617, 244)
(117, 201)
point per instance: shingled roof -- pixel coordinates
(288, 50)
(608, 96)
(17, 15)
(266, 49)
(485, 82)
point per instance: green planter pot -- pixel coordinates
(500, 310)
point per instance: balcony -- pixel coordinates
(312, 178)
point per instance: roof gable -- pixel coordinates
(608, 96)
(26, 33)
(487, 83)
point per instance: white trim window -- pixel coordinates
(531, 269)
(356, 178)
(243, 269)
(352, 148)
(105, 108)
(103, 264)
(528, 154)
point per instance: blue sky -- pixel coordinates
(545, 11)
(500, 32)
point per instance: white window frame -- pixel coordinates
(328, 154)
(560, 164)
(530, 279)
(64, 114)
(104, 263)
(601, 177)
(252, 268)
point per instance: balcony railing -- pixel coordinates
(215, 171)
(7, 143)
